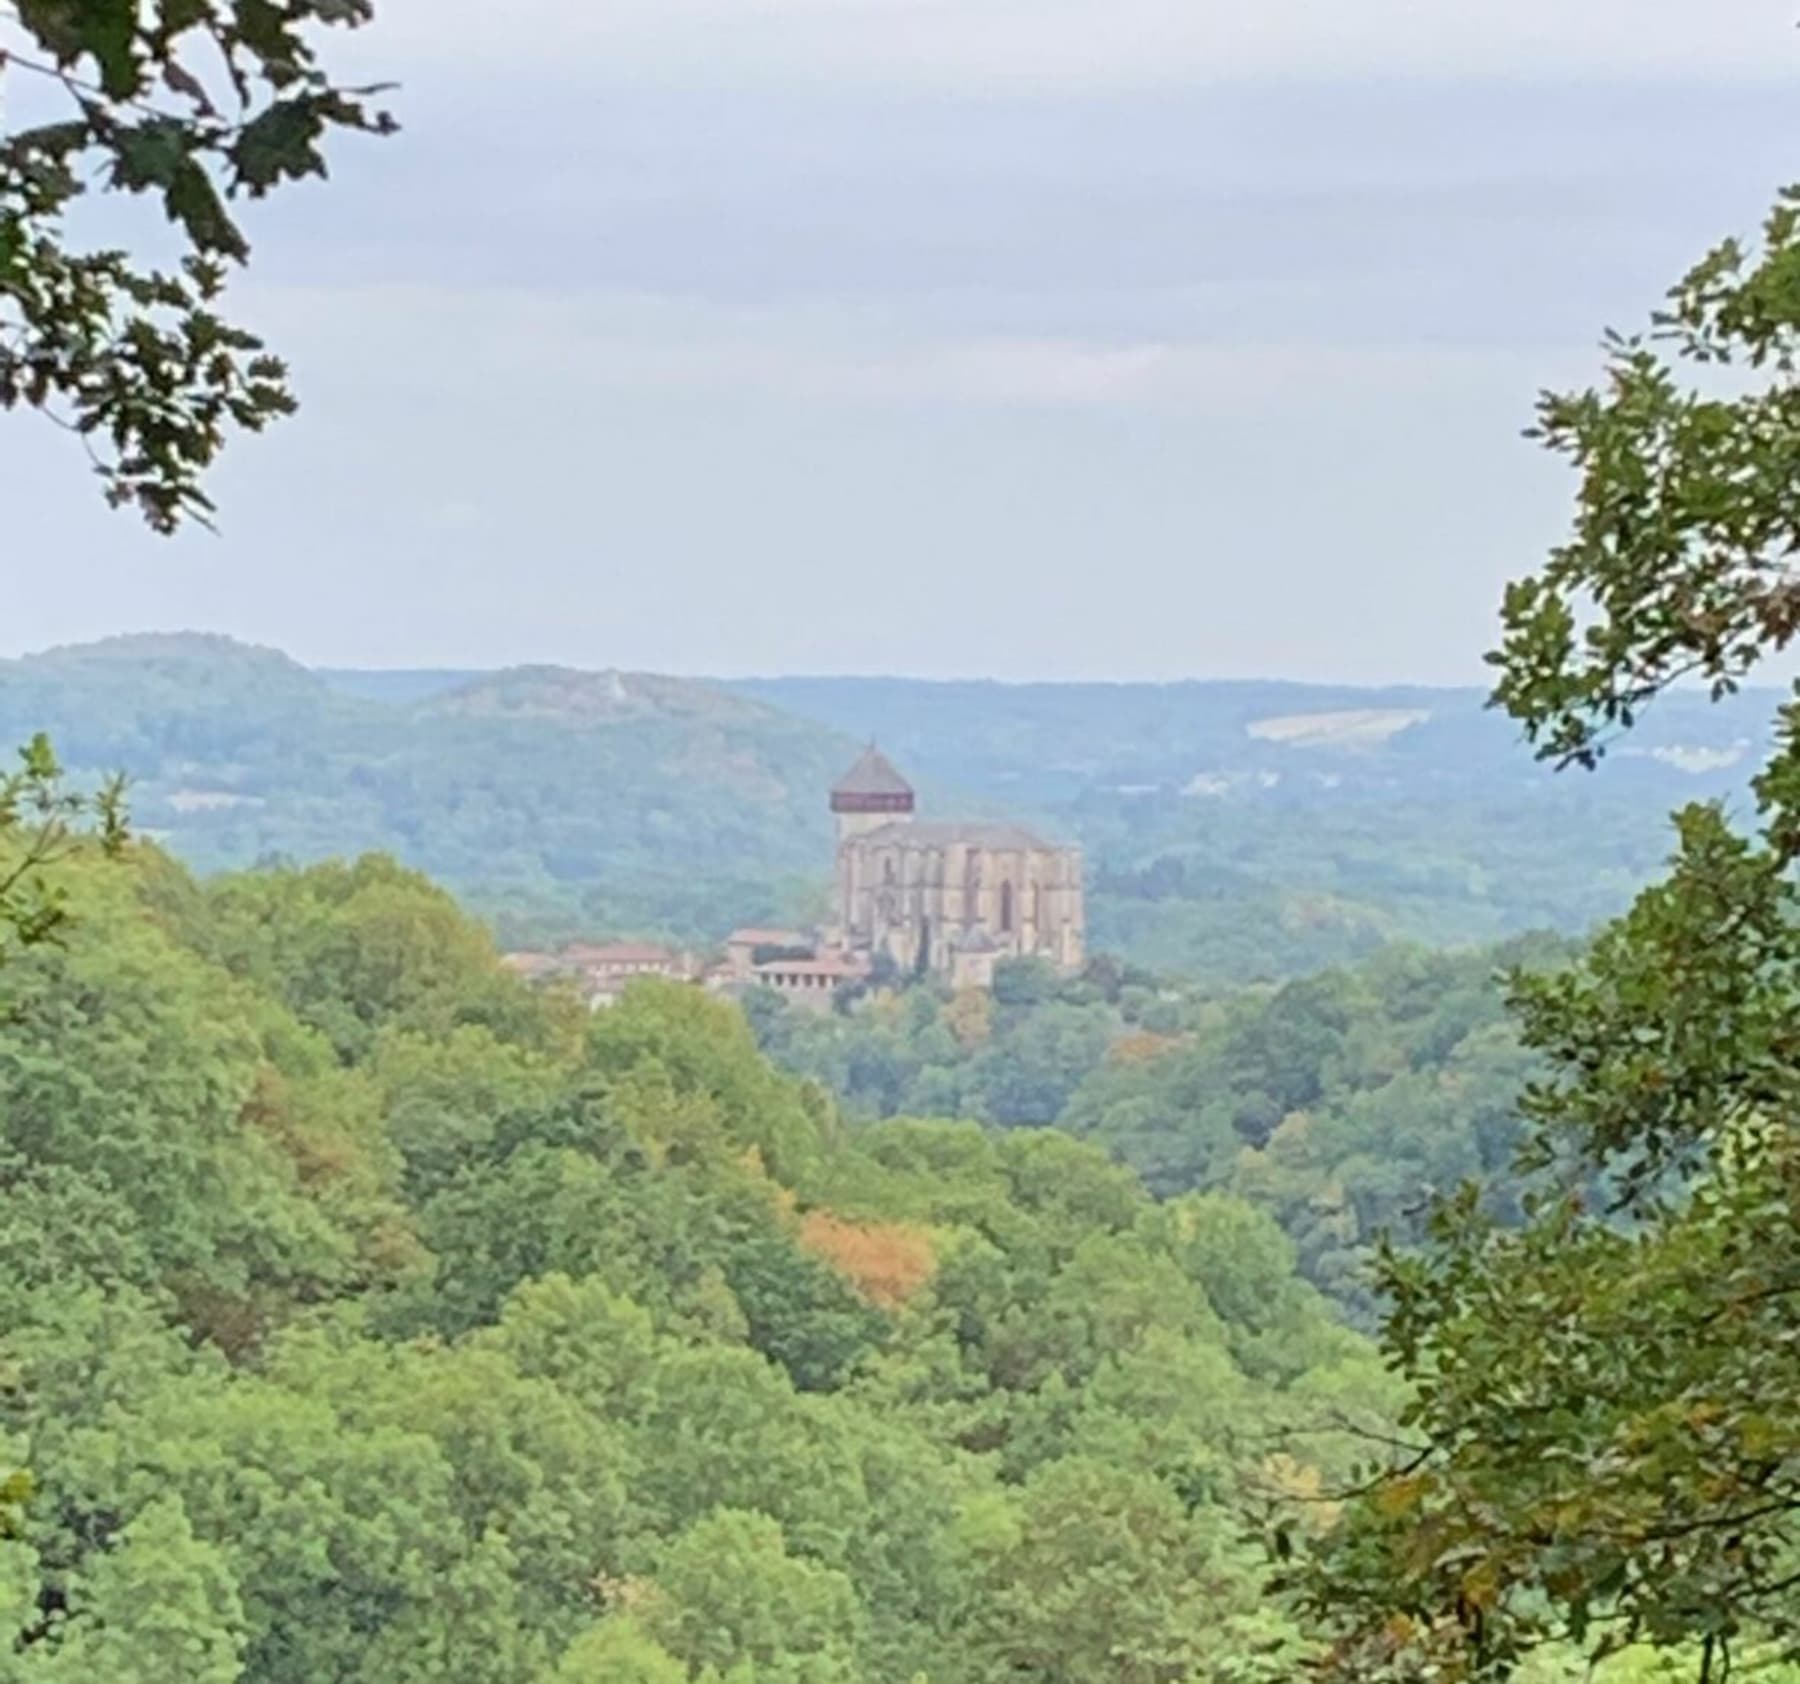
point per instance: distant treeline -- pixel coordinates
(1223, 841)
(1336, 1103)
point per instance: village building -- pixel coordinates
(914, 898)
(613, 961)
(603, 971)
(811, 984)
(746, 949)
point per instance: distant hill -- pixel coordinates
(1277, 740)
(395, 684)
(1250, 830)
(554, 800)
(1235, 831)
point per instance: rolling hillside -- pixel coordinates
(552, 799)
(1244, 831)
(1235, 832)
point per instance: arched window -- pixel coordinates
(1006, 909)
(888, 869)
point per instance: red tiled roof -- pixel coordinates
(619, 953)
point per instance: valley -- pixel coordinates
(1233, 832)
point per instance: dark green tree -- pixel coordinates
(195, 104)
(1605, 1442)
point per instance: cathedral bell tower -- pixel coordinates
(871, 794)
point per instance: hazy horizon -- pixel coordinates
(1049, 343)
(747, 675)
(1775, 679)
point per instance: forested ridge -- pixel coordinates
(367, 1315)
(555, 801)
(1233, 833)
(1339, 1104)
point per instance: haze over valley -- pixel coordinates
(1234, 832)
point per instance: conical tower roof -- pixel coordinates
(873, 774)
(873, 784)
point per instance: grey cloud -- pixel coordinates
(1366, 210)
(654, 344)
(1059, 45)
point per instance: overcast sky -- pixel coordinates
(1033, 338)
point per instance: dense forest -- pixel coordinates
(1337, 1103)
(367, 1315)
(1234, 832)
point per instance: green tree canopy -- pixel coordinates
(365, 1316)
(193, 104)
(1606, 1435)
(41, 821)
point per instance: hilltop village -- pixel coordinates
(913, 899)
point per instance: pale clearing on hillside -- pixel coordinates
(1355, 728)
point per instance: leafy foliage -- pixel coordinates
(1604, 1428)
(367, 1315)
(194, 104)
(42, 821)
(1337, 1103)
(1679, 562)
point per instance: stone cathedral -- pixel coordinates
(949, 899)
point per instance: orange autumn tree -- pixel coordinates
(886, 1262)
